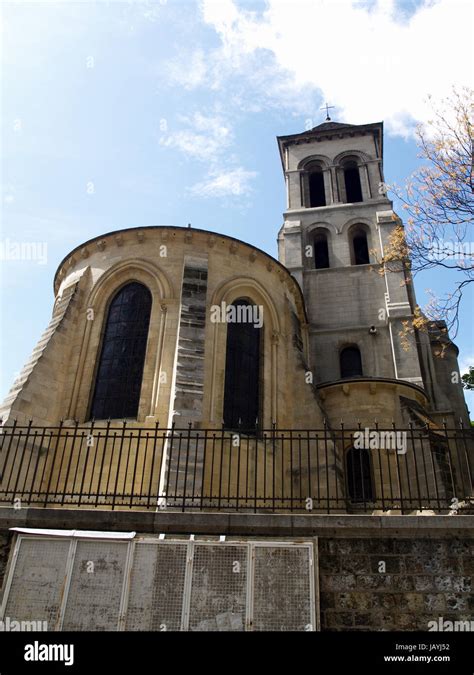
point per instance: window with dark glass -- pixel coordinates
(352, 182)
(360, 248)
(242, 373)
(440, 455)
(321, 252)
(359, 475)
(351, 363)
(120, 369)
(317, 195)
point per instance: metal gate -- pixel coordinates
(148, 584)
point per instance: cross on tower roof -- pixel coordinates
(327, 107)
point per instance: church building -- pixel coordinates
(196, 407)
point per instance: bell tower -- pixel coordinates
(337, 221)
(337, 224)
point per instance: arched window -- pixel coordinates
(360, 247)
(352, 182)
(321, 251)
(359, 475)
(317, 196)
(351, 363)
(242, 368)
(120, 369)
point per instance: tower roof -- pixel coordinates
(326, 126)
(329, 129)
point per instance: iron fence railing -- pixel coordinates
(117, 466)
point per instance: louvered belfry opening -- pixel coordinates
(317, 196)
(321, 252)
(361, 249)
(352, 182)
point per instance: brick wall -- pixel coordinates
(423, 580)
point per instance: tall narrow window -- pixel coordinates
(352, 182)
(242, 369)
(321, 251)
(351, 363)
(360, 248)
(359, 475)
(317, 196)
(122, 357)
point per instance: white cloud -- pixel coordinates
(372, 62)
(189, 70)
(8, 190)
(221, 183)
(209, 139)
(205, 139)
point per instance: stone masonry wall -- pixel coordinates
(187, 406)
(428, 570)
(424, 580)
(5, 545)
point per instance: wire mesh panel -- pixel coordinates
(105, 584)
(157, 587)
(93, 601)
(38, 581)
(282, 599)
(218, 590)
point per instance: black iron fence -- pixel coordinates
(276, 470)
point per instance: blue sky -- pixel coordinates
(165, 112)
